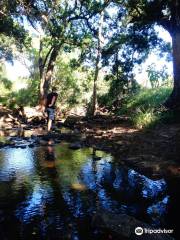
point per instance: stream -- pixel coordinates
(53, 192)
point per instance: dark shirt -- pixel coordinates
(50, 97)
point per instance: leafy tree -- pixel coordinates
(58, 26)
(156, 77)
(12, 32)
(94, 25)
(74, 82)
(99, 47)
(143, 16)
(5, 83)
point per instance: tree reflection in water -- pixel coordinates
(54, 191)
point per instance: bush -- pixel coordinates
(24, 97)
(145, 108)
(144, 119)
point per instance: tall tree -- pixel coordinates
(94, 25)
(143, 15)
(100, 42)
(58, 26)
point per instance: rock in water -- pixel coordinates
(75, 146)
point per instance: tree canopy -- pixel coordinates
(111, 38)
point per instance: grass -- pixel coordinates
(145, 108)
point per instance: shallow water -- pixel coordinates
(52, 192)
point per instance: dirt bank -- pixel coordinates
(154, 152)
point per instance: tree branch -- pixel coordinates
(47, 55)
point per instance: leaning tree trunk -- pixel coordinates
(46, 76)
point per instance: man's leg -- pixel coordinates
(51, 117)
(49, 124)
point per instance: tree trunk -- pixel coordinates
(174, 99)
(94, 97)
(97, 65)
(46, 76)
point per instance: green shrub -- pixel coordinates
(147, 99)
(144, 119)
(145, 108)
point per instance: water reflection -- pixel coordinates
(157, 210)
(16, 163)
(54, 191)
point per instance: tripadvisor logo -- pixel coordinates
(139, 231)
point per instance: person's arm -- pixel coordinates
(52, 101)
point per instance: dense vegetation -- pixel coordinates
(91, 51)
(145, 108)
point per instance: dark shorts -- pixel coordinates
(51, 113)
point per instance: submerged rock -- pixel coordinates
(57, 141)
(2, 144)
(31, 145)
(75, 145)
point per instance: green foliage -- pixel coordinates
(29, 95)
(144, 119)
(6, 48)
(24, 97)
(130, 45)
(119, 88)
(147, 99)
(5, 84)
(12, 31)
(145, 107)
(128, 36)
(156, 77)
(74, 83)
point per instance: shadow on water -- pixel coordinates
(53, 192)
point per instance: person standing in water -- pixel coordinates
(50, 107)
